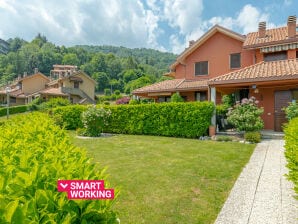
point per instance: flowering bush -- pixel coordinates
(292, 111)
(123, 100)
(94, 120)
(245, 116)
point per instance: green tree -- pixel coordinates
(176, 98)
(70, 59)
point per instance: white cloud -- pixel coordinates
(249, 17)
(176, 45)
(70, 22)
(185, 15)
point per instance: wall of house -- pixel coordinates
(292, 54)
(216, 50)
(34, 84)
(87, 85)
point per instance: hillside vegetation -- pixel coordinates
(117, 68)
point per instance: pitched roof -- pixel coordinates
(172, 85)
(263, 71)
(203, 39)
(272, 37)
(34, 75)
(53, 91)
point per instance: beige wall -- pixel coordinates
(34, 84)
(87, 85)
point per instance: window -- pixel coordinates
(295, 95)
(12, 99)
(76, 85)
(201, 96)
(296, 54)
(235, 60)
(276, 56)
(163, 99)
(201, 68)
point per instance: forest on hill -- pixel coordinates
(118, 68)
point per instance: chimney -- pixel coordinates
(262, 29)
(35, 70)
(191, 42)
(25, 74)
(291, 26)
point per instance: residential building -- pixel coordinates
(261, 64)
(65, 81)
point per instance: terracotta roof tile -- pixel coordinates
(263, 71)
(273, 36)
(53, 91)
(172, 85)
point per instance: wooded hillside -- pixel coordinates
(118, 68)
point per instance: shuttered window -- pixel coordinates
(201, 68)
(235, 60)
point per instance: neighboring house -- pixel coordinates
(65, 81)
(23, 88)
(261, 64)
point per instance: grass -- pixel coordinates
(168, 180)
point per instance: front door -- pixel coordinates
(282, 100)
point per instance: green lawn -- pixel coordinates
(168, 180)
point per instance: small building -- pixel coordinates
(261, 64)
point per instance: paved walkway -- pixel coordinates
(262, 194)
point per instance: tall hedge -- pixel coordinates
(291, 153)
(167, 119)
(34, 154)
(13, 110)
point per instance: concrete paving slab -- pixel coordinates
(262, 194)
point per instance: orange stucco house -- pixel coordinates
(262, 64)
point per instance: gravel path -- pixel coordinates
(262, 194)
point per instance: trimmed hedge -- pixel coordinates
(35, 153)
(69, 117)
(291, 152)
(167, 119)
(13, 110)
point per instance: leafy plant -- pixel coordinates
(69, 117)
(94, 120)
(245, 116)
(254, 137)
(107, 92)
(291, 152)
(35, 153)
(175, 98)
(292, 111)
(13, 110)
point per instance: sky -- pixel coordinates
(165, 25)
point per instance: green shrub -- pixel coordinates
(133, 102)
(35, 153)
(291, 153)
(223, 138)
(168, 119)
(13, 110)
(254, 137)
(106, 103)
(292, 111)
(33, 105)
(117, 92)
(107, 92)
(53, 103)
(69, 117)
(175, 98)
(245, 116)
(221, 109)
(94, 120)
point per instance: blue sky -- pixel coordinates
(166, 25)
